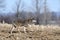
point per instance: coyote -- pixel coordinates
(23, 22)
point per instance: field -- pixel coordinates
(30, 32)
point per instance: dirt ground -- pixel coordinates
(31, 32)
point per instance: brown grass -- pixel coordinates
(31, 32)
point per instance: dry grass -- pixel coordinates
(31, 32)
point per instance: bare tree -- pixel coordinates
(45, 6)
(37, 11)
(18, 6)
(17, 10)
(2, 8)
(47, 13)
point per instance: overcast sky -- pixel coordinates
(53, 5)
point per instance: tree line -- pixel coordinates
(44, 17)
